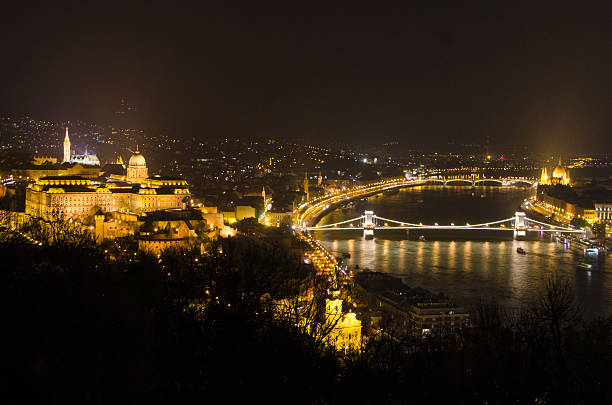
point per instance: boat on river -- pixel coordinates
(520, 250)
(584, 266)
(592, 251)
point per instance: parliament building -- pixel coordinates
(78, 197)
(560, 175)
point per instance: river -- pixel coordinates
(468, 266)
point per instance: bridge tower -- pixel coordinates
(520, 225)
(368, 224)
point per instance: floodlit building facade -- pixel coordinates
(566, 209)
(167, 235)
(603, 212)
(76, 196)
(137, 168)
(278, 218)
(346, 332)
(560, 175)
(36, 171)
(85, 159)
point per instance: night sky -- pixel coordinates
(539, 76)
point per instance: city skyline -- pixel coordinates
(308, 204)
(424, 76)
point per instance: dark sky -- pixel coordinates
(540, 76)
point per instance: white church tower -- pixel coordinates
(66, 147)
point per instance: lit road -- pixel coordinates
(323, 261)
(306, 212)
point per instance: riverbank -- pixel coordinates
(386, 303)
(464, 268)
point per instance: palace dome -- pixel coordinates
(559, 171)
(137, 160)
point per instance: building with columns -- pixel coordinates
(137, 168)
(603, 212)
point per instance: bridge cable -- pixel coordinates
(339, 223)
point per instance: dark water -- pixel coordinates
(469, 267)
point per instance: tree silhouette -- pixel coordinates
(248, 318)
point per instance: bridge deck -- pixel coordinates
(439, 227)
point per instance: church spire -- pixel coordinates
(263, 195)
(544, 177)
(66, 147)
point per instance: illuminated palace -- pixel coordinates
(78, 197)
(560, 175)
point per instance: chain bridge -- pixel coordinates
(368, 222)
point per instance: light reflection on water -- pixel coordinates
(468, 270)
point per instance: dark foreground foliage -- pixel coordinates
(79, 328)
